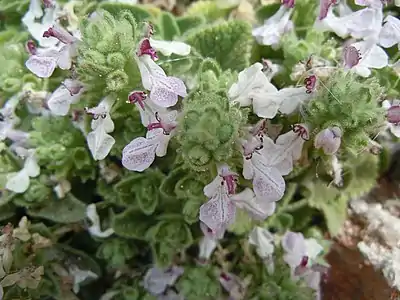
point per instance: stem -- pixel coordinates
(295, 206)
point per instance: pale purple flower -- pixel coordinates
(390, 33)
(219, 211)
(157, 280)
(8, 118)
(274, 28)
(99, 141)
(164, 90)
(263, 240)
(146, 107)
(233, 285)
(287, 148)
(299, 252)
(351, 56)
(69, 92)
(324, 6)
(257, 208)
(329, 140)
(393, 116)
(43, 61)
(289, 3)
(376, 4)
(140, 153)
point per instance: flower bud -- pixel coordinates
(329, 140)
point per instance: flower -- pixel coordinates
(371, 56)
(157, 280)
(253, 87)
(324, 6)
(140, 153)
(329, 140)
(67, 93)
(393, 116)
(95, 229)
(164, 90)
(390, 33)
(219, 212)
(270, 69)
(80, 276)
(19, 182)
(170, 47)
(207, 246)
(263, 240)
(99, 141)
(288, 3)
(35, 27)
(299, 251)
(274, 28)
(8, 119)
(287, 148)
(43, 61)
(268, 183)
(233, 285)
(258, 209)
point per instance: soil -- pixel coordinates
(350, 276)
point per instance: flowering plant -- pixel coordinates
(187, 153)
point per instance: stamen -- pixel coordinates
(137, 97)
(31, 47)
(145, 48)
(310, 83)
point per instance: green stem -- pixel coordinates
(295, 206)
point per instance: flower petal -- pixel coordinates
(31, 166)
(60, 101)
(170, 47)
(257, 208)
(268, 184)
(163, 96)
(100, 143)
(217, 212)
(263, 240)
(42, 67)
(18, 182)
(292, 98)
(390, 33)
(138, 155)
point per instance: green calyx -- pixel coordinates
(209, 128)
(106, 55)
(350, 104)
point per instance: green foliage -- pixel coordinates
(199, 283)
(208, 129)
(116, 252)
(334, 105)
(229, 43)
(141, 190)
(105, 61)
(60, 147)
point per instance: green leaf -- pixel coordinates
(187, 23)
(191, 210)
(163, 254)
(229, 43)
(169, 27)
(132, 223)
(115, 8)
(173, 232)
(67, 210)
(7, 211)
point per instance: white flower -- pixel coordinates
(207, 246)
(37, 28)
(298, 250)
(95, 229)
(164, 90)
(80, 276)
(8, 118)
(146, 107)
(274, 28)
(268, 183)
(372, 56)
(219, 211)
(140, 153)
(263, 240)
(254, 87)
(19, 182)
(286, 149)
(270, 69)
(99, 141)
(67, 93)
(157, 280)
(390, 33)
(170, 47)
(377, 4)
(258, 209)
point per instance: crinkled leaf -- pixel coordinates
(67, 210)
(229, 43)
(168, 26)
(132, 223)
